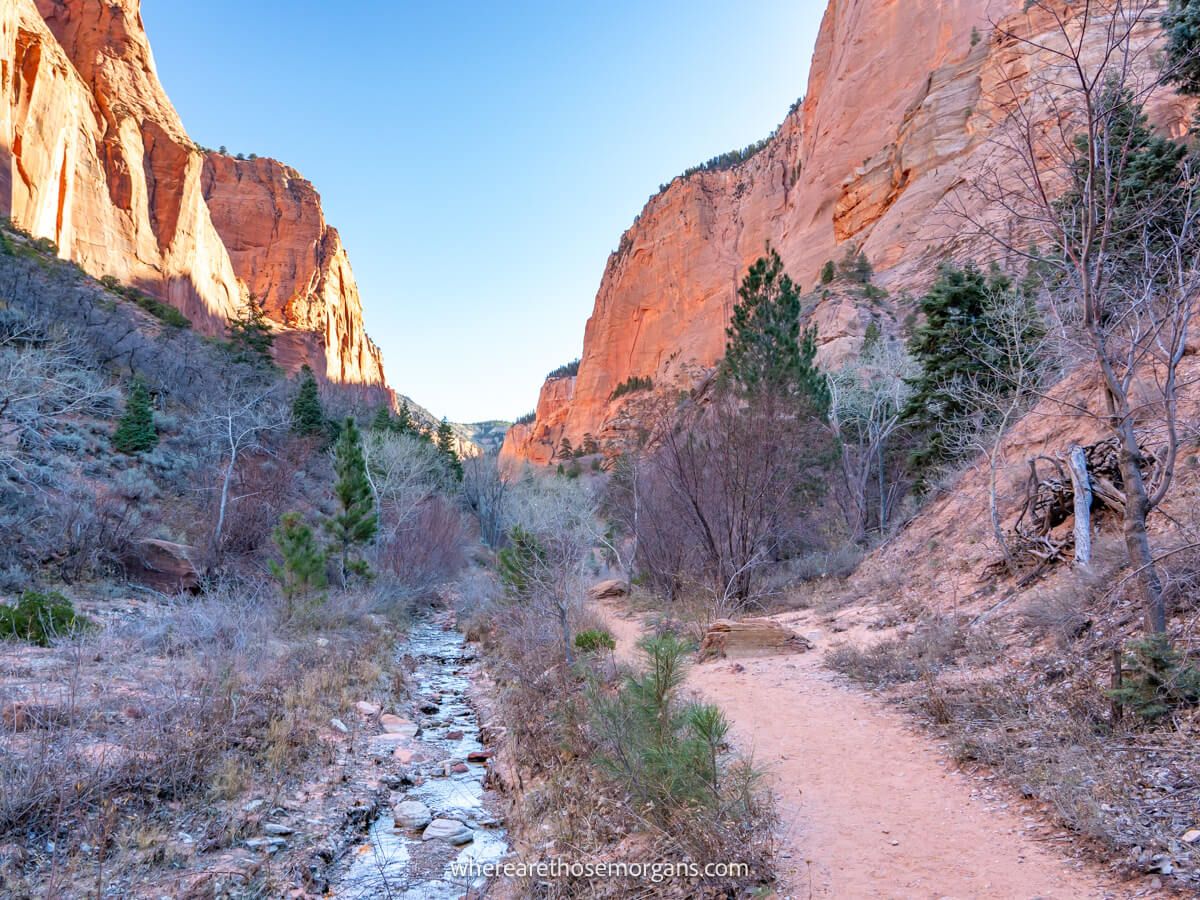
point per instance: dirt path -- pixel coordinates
(869, 807)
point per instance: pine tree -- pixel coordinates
(355, 522)
(135, 432)
(308, 417)
(404, 421)
(765, 349)
(1147, 201)
(956, 342)
(383, 420)
(303, 568)
(446, 446)
(565, 450)
(250, 337)
(1181, 24)
(828, 272)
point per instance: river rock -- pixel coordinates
(479, 755)
(451, 831)
(392, 724)
(750, 637)
(370, 710)
(412, 814)
(278, 829)
(454, 735)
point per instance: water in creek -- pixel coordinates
(396, 863)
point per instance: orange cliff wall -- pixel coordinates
(94, 156)
(899, 106)
(272, 224)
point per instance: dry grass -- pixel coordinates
(117, 741)
(934, 644)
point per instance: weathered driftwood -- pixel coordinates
(1081, 486)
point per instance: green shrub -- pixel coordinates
(828, 272)
(665, 751)
(594, 640)
(1158, 681)
(39, 618)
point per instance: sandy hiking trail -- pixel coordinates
(870, 807)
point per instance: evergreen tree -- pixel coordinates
(135, 432)
(765, 349)
(828, 272)
(518, 563)
(565, 450)
(303, 568)
(250, 336)
(404, 421)
(446, 447)
(355, 522)
(308, 417)
(957, 341)
(383, 420)
(1181, 23)
(1146, 171)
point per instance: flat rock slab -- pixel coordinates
(607, 590)
(395, 725)
(412, 814)
(750, 637)
(451, 831)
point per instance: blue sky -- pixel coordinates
(481, 159)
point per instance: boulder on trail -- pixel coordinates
(607, 590)
(750, 637)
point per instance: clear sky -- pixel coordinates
(481, 160)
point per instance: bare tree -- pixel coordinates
(867, 398)
(1123, 271)
(728, 490)
(237, 424)
(405, 473)
(485, 487)
(549, 545)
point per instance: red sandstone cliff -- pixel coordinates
(94, 156)
(900, 103)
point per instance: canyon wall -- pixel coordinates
(901, 101)
(94, 157)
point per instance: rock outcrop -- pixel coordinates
(901, 100)
(94, 157)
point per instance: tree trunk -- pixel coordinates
(1137, 540)
(566, 634)
(1082, 485)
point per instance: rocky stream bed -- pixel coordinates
(440, 818)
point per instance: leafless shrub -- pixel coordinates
(427, 549)
(936, 643)
(729, 492)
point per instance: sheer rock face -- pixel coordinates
(94, 157)
(901, 101)
(270, 220)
